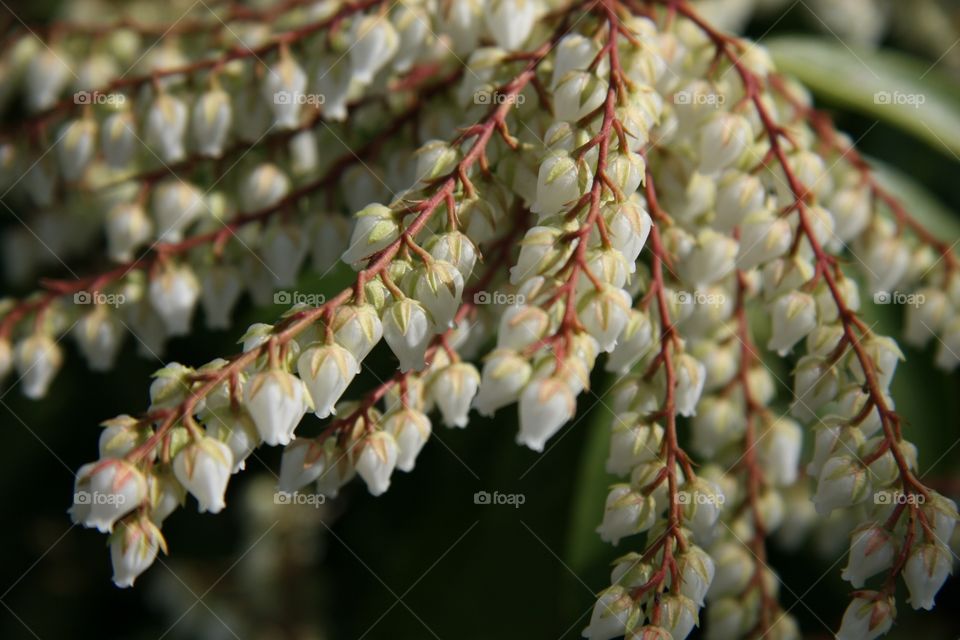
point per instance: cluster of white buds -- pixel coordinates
(637, 194)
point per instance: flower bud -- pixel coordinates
(867, 619)
(75, 150)
(851, 208)
(696, 573)
(793, 316)
(326, 370)
(510, 21)
(455, 248)
(99, 335)
(610, 614)
(574, 52)
(626, 513)
(579, 94)
(37, 359)
(453, 389)
(634, 343)
(522, 326)
(304, 461)
(703, 501)
(128, 228)
(376, 460)
(691, 376)
(133, 548)
(628, 225)
(710, 260)
(885, 262)
(678, 615)
(816, 382)
(358, 329)
(632, 444)
(545, 405)
(118, 139)
(174, 295)
(505, 374)
(106, 491)
(234, 429)
(283, 88)
(726, 618)
(264, 187)
(871, 551)
(408, 328)
(926, 570)
(435, 159)
(723, 141)
(779, 452)
(718, 423)
(604, 314)
(763, 238)
(738, 194)
(842, 482)
(166, 122)
(411, 428)
(375, 229)
(204, 467)
(884, 354)
(375, 42)
(734, 568)
(925, 319)
(46, 76)
(560, 183)
(439, 287)
(211, 121)
(176, 204)
(277, 401)
(221, 287)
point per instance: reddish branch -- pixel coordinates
(38, 122)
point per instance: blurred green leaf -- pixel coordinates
(893, 87)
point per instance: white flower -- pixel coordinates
(237, 431)
(435, 159)
(723, 141)
(303, 462)
(634, 342)
(559, 185)
(411, 428)
(696, 573)
(573, 52)
(174, 295)
(733, 570)
(166, 122)
(779, 452)
(947, 357)
(118, 139)
(626, 513)
(871, 551)
(926, 570)
(521, 326)
(109, 489)
(277, 401)
(210, 122)
(691, 376)
(604, 314)
(609, 619)
(120, 436)
(204, 467)
(793, 316)
(407, 328)
(816, 382)
(37, 359)
(221, 289)
(46, 75)
(703, 501)
(453, 390)
(505, 373)
(763, 238)
(725, 619)
(579, 94)
(166, 494)
(127, 227)
(738, 194)
(842, 482)
(99, 335)
(265, 187)
(439, 288)
(628, 225)
(632, 444)
(333, 80)
(327, 370)
(545, 405)
(867, 619)
(923, 321)
(455, 248)
(510, 21)
(711, 259)
(376, 460)
(375, 42)
(75, 150)
(358, 329)
(885, 355)
(282, 90)
(375, 229)
(175, 205)
(678, 615)
(133, 548)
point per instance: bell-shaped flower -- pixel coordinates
(626, 513)
(327, 370)
(37, 359)
(304, 461)
(407, 328)
(106, 491)
(793, 316)
(133, 548)
(453, 389)
(510, 22)
(439, 288)
(505, 374)
(604, 314)
(696, 573)
(376, 227)
(375, 458)
(678, 615)
(204, 467)
(560, 183)
(926, 570)
(613, 610)
(872, 550)
(375, 42)
(632, 443)
(174, 294)
(779, 452)
(842, 482)
(277, 401)
(691, 375)
(763, 237)
(210, 122)
(283, 90)
(75, 148)
(545, 405)
(128, 227)
(358, 329)
(165, 125)
(99, 335)
(118, 139)
(867, 618)
(175, 204)
(221, 288)
(411, 428)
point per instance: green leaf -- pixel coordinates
(893, 87)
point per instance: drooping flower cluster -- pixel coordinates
(617, 185)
